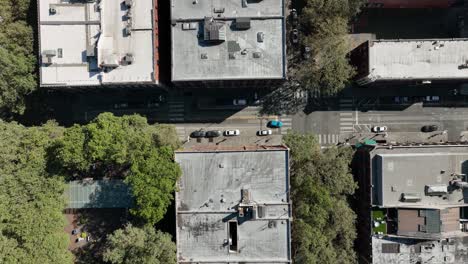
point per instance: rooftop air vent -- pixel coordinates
(257, 55)
(204, 56)
(128, 30)
(52, 10)
(260, 37)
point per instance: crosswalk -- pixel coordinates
(176, 111)
(347, 118)
(328, 139)
(287, 124)
(181, 132)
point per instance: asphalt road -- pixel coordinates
(403, 125)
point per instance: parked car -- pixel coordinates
(294, 18)
(213, 133)
(234, 132)
(121, 105)
(434, 98)
(378, 129)
(239, 102)
(265, 132)
(429, 128)
(153, 104)
(295, 36)
(275, 124)
(401, 99)
(198, 134)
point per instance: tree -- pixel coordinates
(17, 60)
(324, 24)
(31, 200)
(321, 182)
(126, 148)
(152, 179)
(133, 245)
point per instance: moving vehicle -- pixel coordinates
(434, 98)
(429, 128)
(198, 134)
(213, 133)
(239, 102)
(265, 132)
(275, 124)
(378, 129)
(234, 132)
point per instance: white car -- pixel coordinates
(378, 129)
(234, 132)
(264, 132)
(239, 102)
(434, 98)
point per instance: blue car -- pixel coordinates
(275, 124)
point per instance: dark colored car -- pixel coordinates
(213, 133)
(198, 134)
(429, 128)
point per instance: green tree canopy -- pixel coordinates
(133, 245)
(324, 24)
(321, 182)
(17, 60)
(128, 148)
(31, 200)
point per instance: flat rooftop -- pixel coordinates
(410, 251)
(418, 59)
(88, 43)
(246, 41)
(410, 171)
(211, 192)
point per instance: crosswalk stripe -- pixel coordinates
(346, 119)
(346, 114)
(346, 123)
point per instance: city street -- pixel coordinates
(403, 125)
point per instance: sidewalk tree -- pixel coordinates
(133, 245)
(324, 25)
(321, 183)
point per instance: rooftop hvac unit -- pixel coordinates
(128, 59)
(242, 23)
(436, 189)
(49, 53)
(410, 197)
(128, 3)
